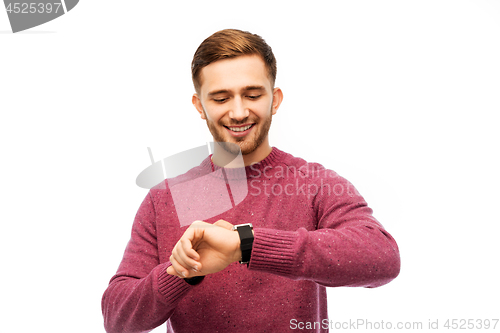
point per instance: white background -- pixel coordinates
(399, 97)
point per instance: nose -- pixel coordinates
(238, 110)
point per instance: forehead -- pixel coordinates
(234, 74)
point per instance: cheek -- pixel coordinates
(212, 115)
(263, 107)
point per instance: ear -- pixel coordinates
(199, 107)
(277, 99)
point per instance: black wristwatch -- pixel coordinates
(246, 241)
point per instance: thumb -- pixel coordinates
(224, 224)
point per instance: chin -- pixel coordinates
(243, 147)
(247, 145)
(247, 151)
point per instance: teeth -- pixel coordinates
(240, 129)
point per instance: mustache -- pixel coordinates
(239, 123)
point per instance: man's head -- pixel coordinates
(231, 43)
(234, 74)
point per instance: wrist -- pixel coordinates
(237, 248)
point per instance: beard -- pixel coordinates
(246, 144)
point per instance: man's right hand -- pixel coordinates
(205, 249)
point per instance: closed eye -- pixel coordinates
(254, 96)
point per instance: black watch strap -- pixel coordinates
(246, 241)
(194, 280)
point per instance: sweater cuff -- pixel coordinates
(171, 287)
(273, 251)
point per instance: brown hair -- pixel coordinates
(230, 43)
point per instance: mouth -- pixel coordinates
(239, 131)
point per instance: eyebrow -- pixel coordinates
(247, 88)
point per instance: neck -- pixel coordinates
(258, 154)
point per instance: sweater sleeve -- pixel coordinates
(348, 248)
(141, 296)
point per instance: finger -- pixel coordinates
(187, 256)
(182, 260)
(224, 224)
(180, 271)
(190, 240)
(188, 249)
(195, 234)
(171, 271)
(179, 254)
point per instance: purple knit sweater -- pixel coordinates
(312, 230)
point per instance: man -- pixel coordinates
(310, 228)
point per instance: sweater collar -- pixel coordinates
(274, 157)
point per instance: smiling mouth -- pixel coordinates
(239, 129)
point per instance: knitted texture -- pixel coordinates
(312, 230)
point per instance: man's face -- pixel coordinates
(237, 101)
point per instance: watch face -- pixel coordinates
(242, 225)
